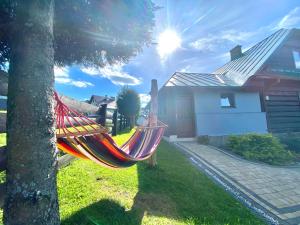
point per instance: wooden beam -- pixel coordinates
(65, 160)
(2, 158)
(67, 122)
(3, 83)
(153, 115)
(2, 122)
(81, 107)
(62, 161)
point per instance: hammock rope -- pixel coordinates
(82, 137)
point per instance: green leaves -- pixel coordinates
(84, 30)
(261, 147)
(128, 102)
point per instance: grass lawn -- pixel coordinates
(173, 193)
(2, 139)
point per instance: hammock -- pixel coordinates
(84, 138)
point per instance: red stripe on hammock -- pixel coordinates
(68, 149)
(111, 147)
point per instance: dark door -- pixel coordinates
(185, 124)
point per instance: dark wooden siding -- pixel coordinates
(282, 106)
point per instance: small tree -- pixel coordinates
(129, 104)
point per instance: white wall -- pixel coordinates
(213, 120)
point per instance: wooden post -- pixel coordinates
(115, 123)
(3, 83)
(153, 115)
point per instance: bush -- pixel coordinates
(261, 147)
(203, 140)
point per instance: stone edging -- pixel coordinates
(259, 210)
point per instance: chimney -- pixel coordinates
(236, 52)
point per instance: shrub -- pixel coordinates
(203, 140)
(261, 147)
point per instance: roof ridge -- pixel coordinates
(251, 48)
(242, 68)
(271, 35)
(199, 79)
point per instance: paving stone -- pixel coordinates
(275, 188)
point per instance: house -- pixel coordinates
(257, 91)
(101, 100)
(107, 107)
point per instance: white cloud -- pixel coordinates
(62, 77)
(213, 42)
(145, 98)
(236, 36)
(185, 69)
(209, 43)
(291, 19)
(61, 71)
(90, 70)
(81, 84)
(223, 57)
(114, 73)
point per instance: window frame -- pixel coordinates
(231, 100)
(296, 53)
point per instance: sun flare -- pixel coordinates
(168, 42)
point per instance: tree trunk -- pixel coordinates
(132, 122)
(31, 159)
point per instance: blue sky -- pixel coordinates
(207, 29)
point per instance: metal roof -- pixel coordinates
(199, 80)
(239, 70)
(101, 100)
(235, 72)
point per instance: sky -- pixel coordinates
(203, 32)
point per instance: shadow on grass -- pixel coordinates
(147, 201)
(176, 191)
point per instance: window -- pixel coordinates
(296, 55)
(227, 100)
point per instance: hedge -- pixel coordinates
(260, 147)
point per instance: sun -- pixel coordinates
(168, 42)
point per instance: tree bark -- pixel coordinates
(31, 158)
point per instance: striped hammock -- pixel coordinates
(82, 137)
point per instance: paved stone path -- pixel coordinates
(275, 190)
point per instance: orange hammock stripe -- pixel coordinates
(82, 137)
